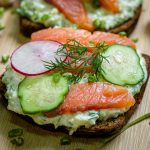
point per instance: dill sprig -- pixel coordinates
(78, 59)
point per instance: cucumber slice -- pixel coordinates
(42, 93)
(123, 66)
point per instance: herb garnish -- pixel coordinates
(96, 3)
(5, 59)
(78, 60)
(15, 133)
(122, 33)
(1, 11)
(1, 27)
(17, 141)
(65, 140)
(1, 15)
(16, 136)
(135, 40)
(138, 120)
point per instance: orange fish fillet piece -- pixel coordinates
(74, 11)
(94, 96)
(111, 5)
(83, 36)
(111, 39)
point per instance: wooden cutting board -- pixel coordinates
(135, 138)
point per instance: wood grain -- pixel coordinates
(136, 138)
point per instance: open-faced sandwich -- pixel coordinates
(107, 15)
(72, 80)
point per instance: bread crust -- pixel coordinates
(101, 128)
(129, 25)
(27, 27)
(6, 4)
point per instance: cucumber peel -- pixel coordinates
(42, 93)
(122, 66)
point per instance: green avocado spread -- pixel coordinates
(41, 12)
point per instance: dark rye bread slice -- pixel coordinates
(6, 3)
(27, 27)
(101, 128)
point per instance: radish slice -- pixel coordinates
(28, 59)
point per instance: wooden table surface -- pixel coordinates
(135, 138)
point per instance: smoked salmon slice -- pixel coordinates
(62, 35)
(111, 39)
(83, 36)
(74, 11)
(94, 96)
(111, 5)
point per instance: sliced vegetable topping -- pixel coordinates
(74, 11)
(84, 37)
(42, 93)
(29, 58)
(94, 96)
(123, 65)
(111, 5)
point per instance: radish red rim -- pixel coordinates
(29, 58)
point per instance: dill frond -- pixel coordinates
(78, 60)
